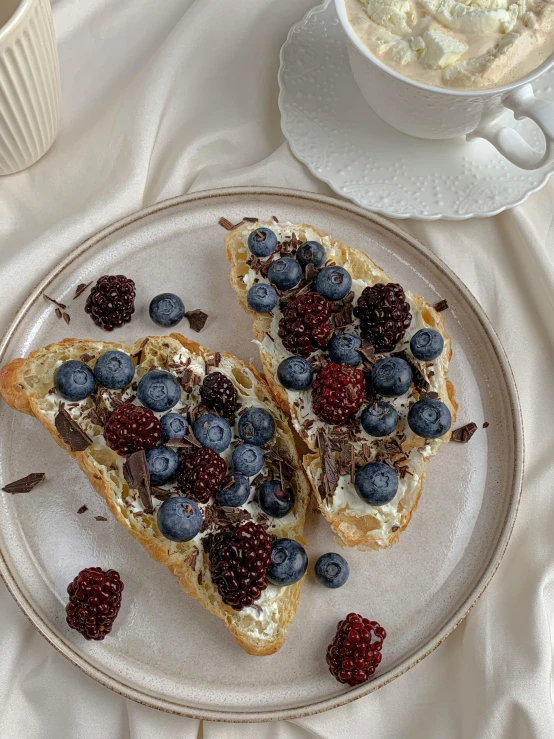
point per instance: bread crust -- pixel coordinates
(23, 384)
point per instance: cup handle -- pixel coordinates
(508, 142)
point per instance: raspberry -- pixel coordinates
(94, 601)
(202, 474)
(338, 391)
(355, 652)
(219, 394)
(384, 315)
(131, 428)
(111, 302)
(238, 563)
(305, 325)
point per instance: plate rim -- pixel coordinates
(320, 8)
(152, 701)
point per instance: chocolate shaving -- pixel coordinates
(66, 318)
(394, 528)
(486, 425)
(200, 578)
(464, 433)
(191, 558)
(138, 353)
(58, 313)
(431, 395)
(275, 219)
(311, 272)
(195, 412)
(217, 518)
(328, 465)
(279, 459)
(25, 484)
(135, 472)
(441, 305)
(343, 317)
(255, 263)
(345, 458)
(197, 319)
(100, 518)
(420, 380)
(161, 494)
(227, 225)
(368, 353)
(317, 361)
(250, 219)
(82, 509)
(87, 358)
(80, 289)
(70, 432)
(60, 305)
(264, 269)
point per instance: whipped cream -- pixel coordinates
(471, 44)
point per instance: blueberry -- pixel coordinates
(262, 297)
(159, 391)
(179, 519)
(262, 242)
(379, 419)
(74, 380)
(391, 376)
(429, 418)
(275, 501)
(332, 570)
(285, 273)
(213, 431)
(289, 562)
(174, 426)
(167, 309)
(114, 370)
(256, 426)
(247, 460)
(235, 493)
(295, 373)
(162, 464)
(334, 283)
(376, 483)
(343, 349)
(426, 344)
(311, 252)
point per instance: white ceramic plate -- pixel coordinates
(165, 651)
(331, 128)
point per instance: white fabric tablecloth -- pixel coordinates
(161, 98)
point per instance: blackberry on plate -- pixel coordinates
(338, 392)
(179, 519)
(262, 242)
(219, 394)
(274, 500)
(376, 483)
(305, 324)
(238, 563)
(355, 652)
(166, 309)
(295, 373)
(311, 252)
(262, 297)
(162, 463)
(235, 492)
(334, 283)
(94, 602)
(201, 474)
(111, 302)
(289, 562)
(131, 428)
(285, 273)
(426, 344)
(114, 370)
(379, 419)
(74, 380)
(212, 431)
(332, 570)
(384, 315)
(429, 418)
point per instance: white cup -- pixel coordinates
(29, 83)
(440, 113)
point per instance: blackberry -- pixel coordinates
(355, 652)
(238, 563)
(131, 428)
(338, 392)
(111, 302)
(202, 474)
(219, 394)
(384, 315)
(305, 325)
(94, 601)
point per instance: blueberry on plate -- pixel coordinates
(162, 464)
(159, 391)
(426, 344)
(262, 297)
(334, 283)
(273, 500)
(311, 252)
(114, 370)
(285, 273)
(74, 380)
(167, 309)
(379, 419)
(247, 460)
(262, 242)
(343, 349)
(391, 376)
(179, 519)
(376, 483)
(235, 492)
(295, 373)
(174, 426)
(429, 418)
(332, 570)
(256, 426)
(289, 562)
(213, 432)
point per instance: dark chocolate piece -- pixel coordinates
(197, 319)
(441, 305)
(70, 432)
(464, 433)
(135, 471)
(25, 484)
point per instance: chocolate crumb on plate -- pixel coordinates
(25, 484)
(66, 318)
(486, 425)
(80, 289)
(63, 306)
(226, 224)
(441, 306)
(100, 518)
(58, 313)
(464, 433)
(197, 319)
(82, 509)
(250, 219)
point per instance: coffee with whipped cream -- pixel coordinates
(469, 44)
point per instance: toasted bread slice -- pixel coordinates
(357, 523)
(27, 386)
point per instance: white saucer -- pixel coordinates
(330, 128)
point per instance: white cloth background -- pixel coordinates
(161, 98)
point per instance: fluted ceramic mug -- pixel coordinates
(439, 113)
(29, 83)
